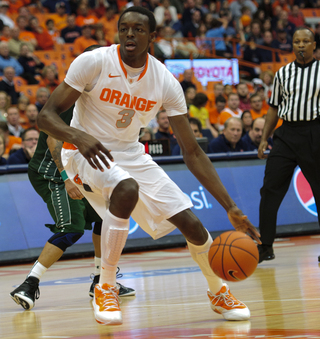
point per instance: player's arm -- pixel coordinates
(55, 147)
(270, 124)
(62, 98)
(200, 165)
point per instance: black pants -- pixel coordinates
(294, 144)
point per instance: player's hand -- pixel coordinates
(72, 190)
(262, 148)
(93, 151)
(241, 223)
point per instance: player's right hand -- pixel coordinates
(72, 190)
(93, 150)
(262, 148)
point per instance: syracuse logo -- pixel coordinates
(303, 192)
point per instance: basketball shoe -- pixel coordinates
(265, 253)
(106, 305)
(123, 290)
(26, 293)
(227, 305)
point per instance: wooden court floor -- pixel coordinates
(283, 296)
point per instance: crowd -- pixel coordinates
(183, 28)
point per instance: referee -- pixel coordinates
(295, 99)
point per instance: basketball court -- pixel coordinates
(171, 302)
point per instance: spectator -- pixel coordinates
(6, 60)
(3, 161)
(187, 79)
(110, 24)
(25, 35)
(252, 138)
(228, 89)
(164, 129)
(84, 18)
(49, 78)
(43, 37)
(267, 81)
(25, 153)
(282, 4)
(189, 8)
(266, 55)
(31, 114)
(70, 33)
(255, 35)
(243, 92)
(60, 16)
(218, 31)
(317, 35)
(283, 41)
(235, 8)
(232, 110)
(175, 25)
(23, 102)
(196, 127)
(189, 94)
(13, 122)
(31, 64)
(42, 97)
(214, 112)
(288, 26)
(146, 134)
(15, 43)
(99, 36)
(4, 6)
(266, 7)
(198, 110)
(54, 33)
(230, 139)
(246, 118)
(296, 16)
(7, 85)
(165, 45)
(160, 10)
(84, 41)
(189, 29)
(317, 54)
(12, 143)
(256, 107)
(51, 5)
(5, 33)
(4, 104)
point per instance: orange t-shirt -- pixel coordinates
(110, 28)
(214, 116)
(44, 39)
(226, 114)
(81, 43)
(60, 22)
(88, 20)
(12, 140)
(256, 115)
(26, 36)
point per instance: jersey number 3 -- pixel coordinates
(125, 121)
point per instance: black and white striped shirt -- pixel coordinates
(296, 91)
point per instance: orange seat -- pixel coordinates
(310, 12)
(267, 66)
(47, 56)
(286, 58)
(19, 82)
(30, 91)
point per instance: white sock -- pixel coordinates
(37, 270)
(114, 235)
(97, 265)
(200, 256)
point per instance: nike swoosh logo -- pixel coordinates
(114, 76)
(231, 273)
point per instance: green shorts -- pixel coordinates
(69, 215)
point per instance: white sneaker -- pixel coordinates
(106, 305)
(227, 305)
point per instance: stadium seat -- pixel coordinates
(30, 91)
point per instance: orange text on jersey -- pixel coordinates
(126, 100)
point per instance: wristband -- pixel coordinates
(64, 175)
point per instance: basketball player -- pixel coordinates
(117, 90)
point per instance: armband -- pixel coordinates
(64, 175)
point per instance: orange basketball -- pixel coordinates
(233, 256)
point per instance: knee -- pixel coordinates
(65, 240)
(126, 194)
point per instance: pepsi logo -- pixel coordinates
(303, 192)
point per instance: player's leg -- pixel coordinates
(69, 226)
(96, 239)
(279, 169)
(199, 241)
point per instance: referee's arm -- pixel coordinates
(271, 122)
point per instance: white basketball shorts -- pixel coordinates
(159, 197)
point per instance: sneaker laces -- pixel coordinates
(118, 275)
(110, 298)
(226, 298)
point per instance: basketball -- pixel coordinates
(233, 256)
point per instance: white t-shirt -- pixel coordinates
(113, 107)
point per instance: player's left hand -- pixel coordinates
(242, 224)
(72, 190)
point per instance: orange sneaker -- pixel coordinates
(106, 305)
(227, 305)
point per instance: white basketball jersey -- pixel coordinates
(117, 107)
